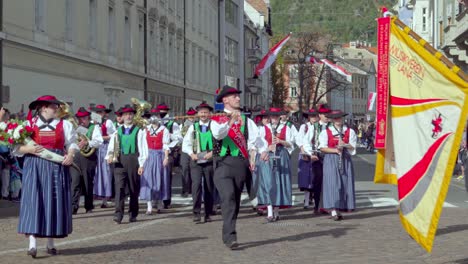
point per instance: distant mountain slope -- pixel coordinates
(346, 20)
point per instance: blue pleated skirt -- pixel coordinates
(281, 188)
(45, 209)
(153, 184)
(305, 174)
(264, 181)
(338, 188)
(103, 177)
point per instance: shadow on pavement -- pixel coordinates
(337, 232)
(128, 245)
(358, 215)
(460, 261)
(451, 229)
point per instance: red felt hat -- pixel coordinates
(311, 112)
(276, 111)
(203, 104)
(128, 109)
(323, 109)
(45, 99)
(101, 108)
(163, 106)
(118, 112)
(191, 111)
(336, 114)
(82, 112)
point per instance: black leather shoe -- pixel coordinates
(132, 219)
(32, 252)
(104, 206)
(208, 219)
(232, 244)
(117, 220)
(52, 251)
(75, 211)
(89, 211)
(196, 218)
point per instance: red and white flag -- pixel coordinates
(313, 60)
(268, 60)
(371, 101)
(340, 70)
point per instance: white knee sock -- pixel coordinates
(306, 198)
(150, 206)
(32, 242)
(333, 212)
(276, 211)
(270, 210)
(50, 243)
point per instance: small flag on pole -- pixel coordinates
(270, 57)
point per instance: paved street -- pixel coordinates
(372, 234)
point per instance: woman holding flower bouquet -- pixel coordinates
(46, 207)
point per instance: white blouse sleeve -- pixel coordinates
(323, 139)
(166, 139)
(110, 127)
(187, 144)
(218, 130)
(142, 147)
(96, 138)
(352, 141)
(70, 136)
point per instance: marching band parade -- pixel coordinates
(130, 160)
(233, 131)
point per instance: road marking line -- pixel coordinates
(118, 232)
(383, 202)
(449, 205)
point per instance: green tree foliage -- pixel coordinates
(345, 20)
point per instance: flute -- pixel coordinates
(340, 160)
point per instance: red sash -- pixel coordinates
(235, 134)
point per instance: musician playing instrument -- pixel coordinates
(176, 141)
(154, 181)
(45, 209)
(338, 143)
(235, 136)
(129, 168)
(104, 180)
(198, 145)
(280, 147)
(184, 158)
(309, 174)
(87, 164)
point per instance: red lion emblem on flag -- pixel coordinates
(437, 123)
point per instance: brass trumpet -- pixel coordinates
(191, 116)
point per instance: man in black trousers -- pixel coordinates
(133, 151)
(84, 180)
(234, 137)
(198, 145)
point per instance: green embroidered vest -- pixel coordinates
(205, 138)
(128, 143)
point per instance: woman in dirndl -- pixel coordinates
(280, 148)
(156, 169)
(338, 143)
(104, 178)
(46, 207)
(261, 176)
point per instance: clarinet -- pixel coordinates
(274, 132)
(340, 160)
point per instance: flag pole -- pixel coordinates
(431, 49)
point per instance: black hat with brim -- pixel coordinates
(204, 105)
(225, 91)
(127, 109)
(273, 111)
(336, 114)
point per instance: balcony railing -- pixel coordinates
(254, 54)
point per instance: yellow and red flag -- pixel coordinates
(423, 128)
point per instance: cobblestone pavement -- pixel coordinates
(372, 234)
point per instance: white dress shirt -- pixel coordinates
(96, 139)
(110, 127)
(141, 141)
(176, 135)
(293, 131)
(323, 138)
(301, 134)
(254, 142)
(69, 134)
(166, 136)
(307, 139)
(187, 144)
